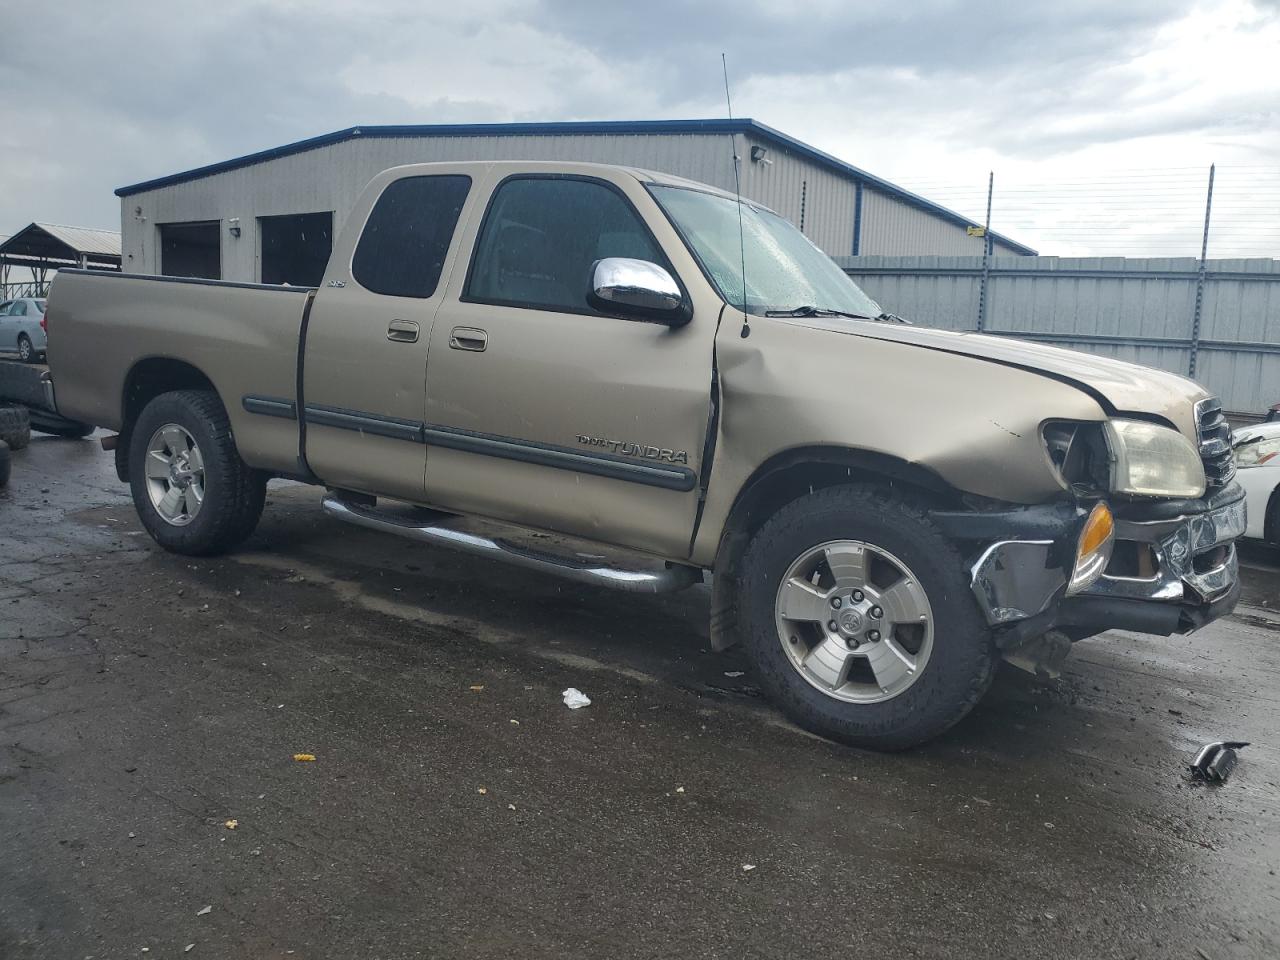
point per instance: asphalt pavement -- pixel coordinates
(151, 708)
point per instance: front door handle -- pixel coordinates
(402, 331)
(468, 338)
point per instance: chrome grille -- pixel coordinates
(1215, 442)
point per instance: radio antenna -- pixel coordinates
(737, 190)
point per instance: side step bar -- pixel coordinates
(666, 579)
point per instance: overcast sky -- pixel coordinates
(1098, 118)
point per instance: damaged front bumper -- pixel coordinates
(1174, 568)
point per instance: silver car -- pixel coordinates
(22, 328)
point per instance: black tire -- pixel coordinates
(961, 664)
(26, 349)
(234, 493)
(15, 426)
(5, 464)
(1271, 523)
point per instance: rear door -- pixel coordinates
(366, 340)
(8, 328)
(544, 410)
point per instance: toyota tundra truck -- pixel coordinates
(678, 375)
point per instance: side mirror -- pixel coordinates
(638, 289)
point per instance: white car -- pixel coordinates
(1257, 451)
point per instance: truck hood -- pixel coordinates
(1121, 387)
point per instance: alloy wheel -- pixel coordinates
(175, 474)
(854, 621)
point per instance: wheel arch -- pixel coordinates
(787, 476)
(147, 379)
(1271, 521)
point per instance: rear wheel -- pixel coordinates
(5, 464)
(860, 622)
(192, 491)
(26, 351)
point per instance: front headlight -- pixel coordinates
(1149, 460)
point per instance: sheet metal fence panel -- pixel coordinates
(1140, 310)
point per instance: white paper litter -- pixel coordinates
(575, 699)
(205, 910)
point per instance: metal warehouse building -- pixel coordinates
(270, 217)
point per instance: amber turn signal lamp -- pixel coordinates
(1093, 549)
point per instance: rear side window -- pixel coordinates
(402, 249)
(20, 308)
(541, 236)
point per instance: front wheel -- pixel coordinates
(860, 622)
(192, 491)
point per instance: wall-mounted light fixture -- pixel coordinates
(760, 154)
(233, 226)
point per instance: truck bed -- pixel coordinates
(107, 330)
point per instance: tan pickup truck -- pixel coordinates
(885, 510)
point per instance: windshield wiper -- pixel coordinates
(810, 311)
(893, 318)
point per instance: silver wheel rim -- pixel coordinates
(24, 349)
(854, 621)
(175, 474)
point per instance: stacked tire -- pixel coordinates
(15, 426)
(15, 433)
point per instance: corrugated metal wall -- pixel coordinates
(819, 201)
(892, 228)
(1141, 310)
(330, 178)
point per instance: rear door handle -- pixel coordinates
(402, 331)
(468, 338)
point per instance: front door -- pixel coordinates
(546, 411)
(364, 374)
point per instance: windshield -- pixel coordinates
(784, 269)
(40, 305)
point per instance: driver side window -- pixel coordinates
(541, 236)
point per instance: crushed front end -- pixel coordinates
(1146, 541)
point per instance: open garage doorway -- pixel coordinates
(295, 248)
(191, 250)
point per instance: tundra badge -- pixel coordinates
(635, 449)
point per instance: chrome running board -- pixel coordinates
(666, 579)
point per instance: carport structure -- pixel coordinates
(45, 248)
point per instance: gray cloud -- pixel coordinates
(115, 93)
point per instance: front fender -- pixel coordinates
(975, 425)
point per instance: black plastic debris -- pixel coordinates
(1216, 760)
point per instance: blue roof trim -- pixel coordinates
(572, 128)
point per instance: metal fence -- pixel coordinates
(1217, 320)
(28, 288)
